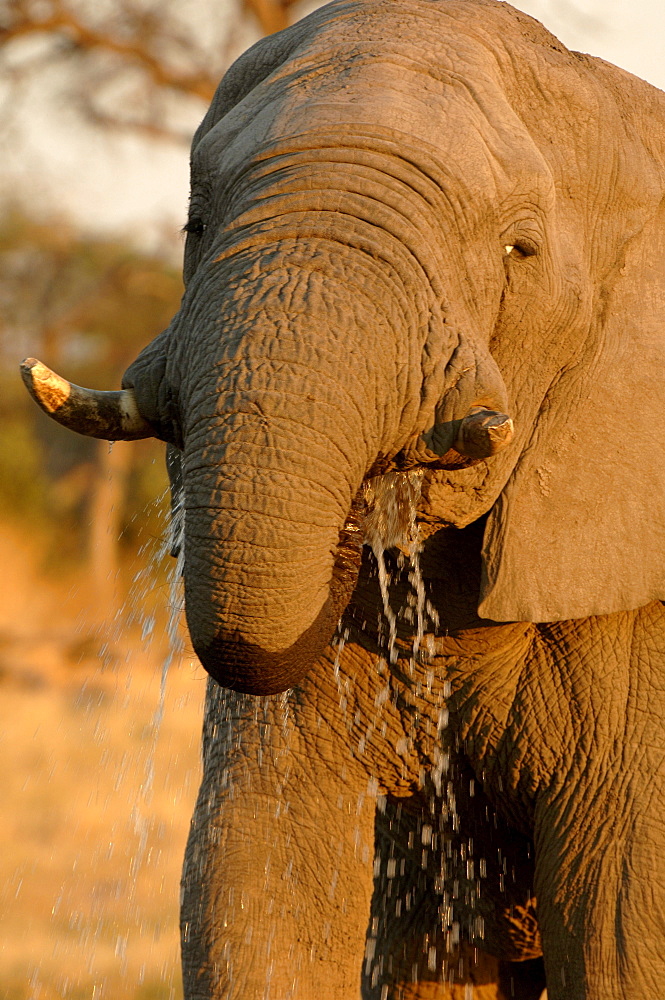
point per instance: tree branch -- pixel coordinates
(65, 22)
(149, 47)
(272, 15)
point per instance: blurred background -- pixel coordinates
(99, 757)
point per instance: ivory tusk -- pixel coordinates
(112, 416)
(483, 433)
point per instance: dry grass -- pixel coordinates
(96, 797)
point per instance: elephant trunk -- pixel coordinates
(270, 561)
(300, 374)
(269, 567)
(279, 433)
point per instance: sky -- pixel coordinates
(629, 33)
(121, 186)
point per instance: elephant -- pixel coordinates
(424, 280)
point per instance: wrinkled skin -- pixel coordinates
(357, 187)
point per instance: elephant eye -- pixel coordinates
(521, 249)
(195, 226)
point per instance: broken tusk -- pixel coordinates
(483, 433)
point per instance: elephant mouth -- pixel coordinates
(408, 461)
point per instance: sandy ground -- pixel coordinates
(97, 792)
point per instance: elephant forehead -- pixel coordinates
(446, 97)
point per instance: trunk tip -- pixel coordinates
(233, 662)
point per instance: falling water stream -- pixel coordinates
(392, 501)
(172, 544)
(391, 524)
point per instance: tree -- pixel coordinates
(135, 64)
(87, 305)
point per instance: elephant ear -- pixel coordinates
(579, 528)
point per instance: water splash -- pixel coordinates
(173, 541)
(390, 522)
(173, 544)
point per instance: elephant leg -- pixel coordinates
(599, 818)
(601, 902)
(411, 952)
(278, 870)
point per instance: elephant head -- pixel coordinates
(410, 223)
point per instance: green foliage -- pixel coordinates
(89, 303)
(86, 307)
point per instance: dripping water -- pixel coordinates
(391, 524)
(172, 543)
(105, 891)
